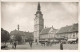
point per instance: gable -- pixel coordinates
(45, 31)
(51, 30)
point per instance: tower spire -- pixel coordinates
(18, 27)
(38, 8)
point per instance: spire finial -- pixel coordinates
(18, 27)
(38, 6)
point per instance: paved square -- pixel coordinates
(26, 46)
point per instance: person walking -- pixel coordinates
(15, 44)
(61, 46)
(30, 43)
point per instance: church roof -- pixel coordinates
(66, 29)
(38, 8)
(46, 30)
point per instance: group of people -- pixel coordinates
(14, 44)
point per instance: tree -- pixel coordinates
(29, 36)
(5, 36)
(30, 39)
(16, 35)
(18, 38)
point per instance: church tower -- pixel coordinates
(38, 23)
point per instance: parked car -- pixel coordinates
(72, 41)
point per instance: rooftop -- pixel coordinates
(72, 28)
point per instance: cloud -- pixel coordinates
(54, 13)
(71, 7)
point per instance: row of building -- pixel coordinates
(67, 32)
(41, 33)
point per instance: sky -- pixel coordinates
(56, 14)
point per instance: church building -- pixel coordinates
(38, 23)
(39, 31)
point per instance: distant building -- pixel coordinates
(16, 32)
(69, 32)
(24, 35)
(48, 33)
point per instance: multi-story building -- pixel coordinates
(68, 32)
(48, 34)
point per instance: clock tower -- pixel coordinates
(38, 23)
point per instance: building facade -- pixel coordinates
(38, 23)
(24, 35)
(68, 32)
(48, 34)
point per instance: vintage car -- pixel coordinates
(72, 41)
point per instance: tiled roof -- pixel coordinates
(45, 31)
(74, 28)
(15, 32)
(66, 29)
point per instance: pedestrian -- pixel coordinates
(15, 44)
(30, 43)
(61, 46)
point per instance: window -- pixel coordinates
(73, 35)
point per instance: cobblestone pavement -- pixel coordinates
(39, 47)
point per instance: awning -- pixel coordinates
(72, 39)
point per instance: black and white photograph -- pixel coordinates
(39, 26)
